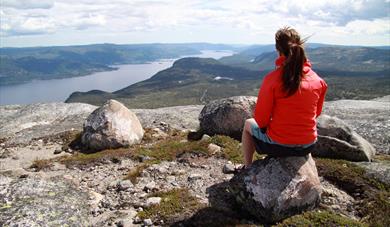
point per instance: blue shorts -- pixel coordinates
(256, 132)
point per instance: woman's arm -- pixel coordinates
(264, 105)
(322, 98)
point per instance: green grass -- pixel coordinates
(135, 172)
(173, 202)
(41, 164)
(319, 218)
(374, 196)
(231, 149)
(81, 159)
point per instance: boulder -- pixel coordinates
(227, 116)
(337, 140)
(275, 188)
(111, 126)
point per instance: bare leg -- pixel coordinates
(248, 146)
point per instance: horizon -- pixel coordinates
(157, 43)
(86, 22)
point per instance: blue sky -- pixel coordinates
(70, 22)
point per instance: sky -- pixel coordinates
(77, 22)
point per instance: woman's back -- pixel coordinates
(290, 119)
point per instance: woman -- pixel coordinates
(289, 101)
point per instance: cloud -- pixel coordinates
(252, 16)
(27, 4)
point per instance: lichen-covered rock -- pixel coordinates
(337, 140)
(39, 202)
(227, 116)
(275, 188)
(111, 126)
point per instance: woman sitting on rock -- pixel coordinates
(289, 101)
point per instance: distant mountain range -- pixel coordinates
(351, 72)
(338, 60)
(25, 64)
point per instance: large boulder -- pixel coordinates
(337, 140)
(227, 116)
(275, 188)
(111, 126)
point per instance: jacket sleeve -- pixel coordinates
(264, 105)
(322, 98)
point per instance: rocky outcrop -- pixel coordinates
(227, 116)
(369, 118)
(111, 126)
(39, 202)
(337, 140)
(275, 188)
(22, 123)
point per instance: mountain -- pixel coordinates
(328, 60)
(189, 80)
(351, 73)
(25, 64)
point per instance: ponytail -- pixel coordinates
(289, 43)
(292, 69)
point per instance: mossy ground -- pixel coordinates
(373, 195)
(319, 218)
(174, 202)
(41, 164)
(135, 172)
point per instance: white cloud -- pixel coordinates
(27, 4)
(252, 16)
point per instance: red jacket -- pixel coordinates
(290, 120)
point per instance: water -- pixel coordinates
(58, 90)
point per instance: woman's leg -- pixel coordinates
(248, 146)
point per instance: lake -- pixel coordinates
(57, 90)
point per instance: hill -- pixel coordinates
(335, 60)
(25, 64)
(351, 73)
(188, 81)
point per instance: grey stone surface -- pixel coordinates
(379, 170)
(39, 202)
(227, 116)
(337, 140)
(111, 126)
(369, 118)
(21, 123)
(275, 188)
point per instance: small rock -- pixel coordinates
(57, 151)
(139, 209)
(170, 179)
(148, 222)
(153, 201)
(143, 158)
(162, 169)
(228, 168)
(124, 185)
(194, 135)
(158, 133)
(214, 149)
(150, 186)
(205, 137)
(194, 177)
(137, 220)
